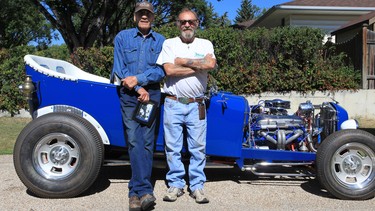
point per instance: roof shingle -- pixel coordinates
(332, 3)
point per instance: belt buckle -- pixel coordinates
(183, 100)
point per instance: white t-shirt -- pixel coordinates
(185, 86)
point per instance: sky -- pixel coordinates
(230, 6)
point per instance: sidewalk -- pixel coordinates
(228, 189)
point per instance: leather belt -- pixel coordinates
(186, 100)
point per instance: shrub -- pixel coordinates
(11, 76)
(97, 61)
(250, 61)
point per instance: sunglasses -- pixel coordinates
(191, 22)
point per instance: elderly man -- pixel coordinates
(135, 54)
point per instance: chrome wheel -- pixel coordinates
(56, 156)
(353, 165)
(345, 164)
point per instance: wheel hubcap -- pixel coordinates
(59, 155)
(56, 156)
(353, 165)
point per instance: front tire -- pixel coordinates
(346, 164)
(58, 155)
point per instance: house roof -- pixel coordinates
(243, 25)
(333, 3)
(368, 18)
(274, 16)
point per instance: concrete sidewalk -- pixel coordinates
(228, 189)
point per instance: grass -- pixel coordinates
(9, 130)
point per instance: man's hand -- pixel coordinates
(209, 62)
(129, 82)
(144, 96)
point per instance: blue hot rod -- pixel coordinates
(77, 128)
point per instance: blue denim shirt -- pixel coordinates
(135, 55)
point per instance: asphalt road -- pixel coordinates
(228, 189)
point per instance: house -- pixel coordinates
(327, 15)
(349, 30)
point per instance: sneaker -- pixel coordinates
(199, 196)
(134, 204)
(173, 193)
(147, 201)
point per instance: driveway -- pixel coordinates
(228, 189)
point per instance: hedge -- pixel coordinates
(250, 62)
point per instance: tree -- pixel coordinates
(247, 12)
(20, 23)
(88, 23)
(212, 19)
(167, 11)
(82, 23)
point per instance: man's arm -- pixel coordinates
(186, 67)
(207, 63)
(177, 70)
(152, 75)
(119, 66)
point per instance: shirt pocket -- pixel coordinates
(152, 56)
(130, 55)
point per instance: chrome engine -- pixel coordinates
(271, 127)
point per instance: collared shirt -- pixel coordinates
(136, 55)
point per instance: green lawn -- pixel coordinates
(9, 130)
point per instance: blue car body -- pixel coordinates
(227, 114)
(77, 125)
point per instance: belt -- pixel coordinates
(186, 100)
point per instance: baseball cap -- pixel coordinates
(144, 5)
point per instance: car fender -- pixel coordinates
(71, 109)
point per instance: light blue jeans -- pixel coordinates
(176, 116)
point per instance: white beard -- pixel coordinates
(188, 34)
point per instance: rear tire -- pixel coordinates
(346, 164)
(58, 155)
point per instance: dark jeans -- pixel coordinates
(140, 140)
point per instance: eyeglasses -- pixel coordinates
(191, 22)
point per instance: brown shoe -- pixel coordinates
(134, 203)
(147, 201)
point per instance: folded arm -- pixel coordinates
(185, 66)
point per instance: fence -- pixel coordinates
(368, 74)
(361, 54)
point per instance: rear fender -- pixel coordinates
(70, 109)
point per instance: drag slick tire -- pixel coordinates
(346, 164)
(58, 155)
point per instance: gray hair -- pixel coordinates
(188, 10)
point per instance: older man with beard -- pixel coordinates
(186, 60)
